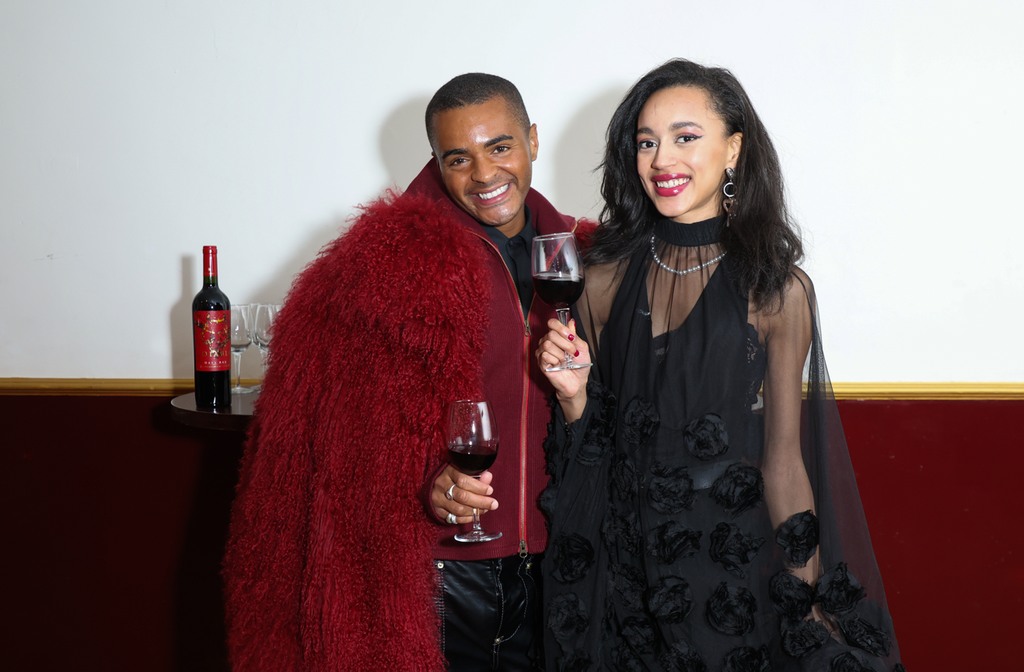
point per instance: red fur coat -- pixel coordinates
(328, 562)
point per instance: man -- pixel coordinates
(426, 299)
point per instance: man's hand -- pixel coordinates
(458, 494)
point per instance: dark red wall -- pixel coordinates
(113, 518)
(942, 488)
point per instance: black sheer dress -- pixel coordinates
(703, 512)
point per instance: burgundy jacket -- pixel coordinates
(328, 563)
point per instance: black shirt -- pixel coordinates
(516, 253)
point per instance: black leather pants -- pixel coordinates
(490, 614)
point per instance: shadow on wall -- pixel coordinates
(273, 290)
(404, 147)
(576, 156)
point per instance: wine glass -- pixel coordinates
(241, 338)
(262, 329)
(472, 446)
(558, 280)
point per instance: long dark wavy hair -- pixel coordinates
(761, 238)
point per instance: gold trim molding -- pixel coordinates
(165, 387)
(98, 387)
(928, 391)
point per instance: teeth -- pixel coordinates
(668, 184)
(493, 194)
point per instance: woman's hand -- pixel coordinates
(570, 385)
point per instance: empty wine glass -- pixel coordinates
(472, 447)
(262, 329)
(558, 280)
(241, 338)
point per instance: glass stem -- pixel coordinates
(563, 317)
(238, 369)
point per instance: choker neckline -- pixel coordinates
(707, 232)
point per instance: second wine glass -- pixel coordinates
(241, 338)
(262, 329)
(472, 448)
(558, 280)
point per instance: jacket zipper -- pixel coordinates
(524, 396)
(523, 428)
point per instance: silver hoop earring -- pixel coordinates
(729, 191)
(729, 188)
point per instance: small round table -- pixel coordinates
(234, 419)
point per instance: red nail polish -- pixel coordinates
(576, 354)
(572, 337)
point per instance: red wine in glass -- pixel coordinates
(558, 290)
(558, 279)
(472, 437)
(473, 458)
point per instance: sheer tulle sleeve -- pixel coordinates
(849, 589)
(813, 500)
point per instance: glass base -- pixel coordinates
(569, 366)
(477, 535)
(242, 390)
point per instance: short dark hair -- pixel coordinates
(474, 88)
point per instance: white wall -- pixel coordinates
(132, 132)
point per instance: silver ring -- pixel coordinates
(452, 520)
(449, 494)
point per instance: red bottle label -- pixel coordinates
(212, 339)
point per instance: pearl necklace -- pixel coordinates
(687, 271)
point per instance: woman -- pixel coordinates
(703, 510)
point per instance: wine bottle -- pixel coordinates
(211, 338)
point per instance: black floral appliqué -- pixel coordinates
(848, 662)
(573, 556)
(791, 596)
(628, 583)
(625, 659)
(730, 610)
(553, 448)
(798, 537)
(622, 531)
(639, 634)
(706, 437)
(838, 590)
(671, 541)
(593, 449)
(731, 547)
(863, 635)
(801, 637)
(670, 600)
(681, 657)
(567, 617)
(597, 437)
(747, 659)
(640, 421)
(623, 478)
(577, 661)
(670, 489)
(547, 499)
(739, 488)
